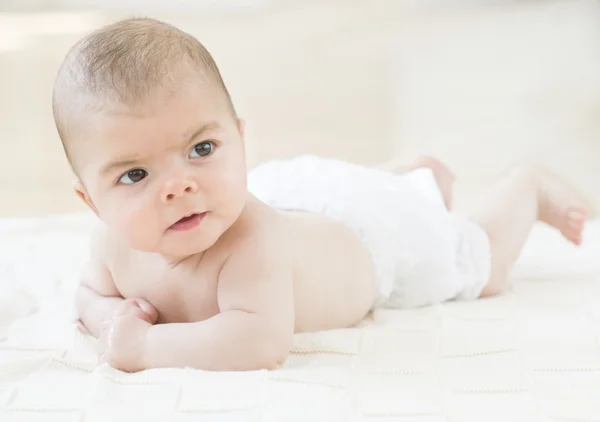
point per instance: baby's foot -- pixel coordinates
(560, 206)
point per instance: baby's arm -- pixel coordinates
(97, 298)
(255, 326)
(93, 307)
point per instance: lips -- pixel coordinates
(188, 222)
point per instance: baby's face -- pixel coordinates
(170, 181)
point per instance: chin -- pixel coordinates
(189, 243)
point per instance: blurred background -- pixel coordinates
(482, 84)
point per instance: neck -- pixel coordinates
(176, 261)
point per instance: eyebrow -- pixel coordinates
(204, 128)
(110, 167)
(126, 162)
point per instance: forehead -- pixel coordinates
(167, 117)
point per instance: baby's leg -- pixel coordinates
(510, 210)
(443, 176)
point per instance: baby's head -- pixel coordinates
(151, 133)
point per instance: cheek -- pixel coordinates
(230, 187)
(132, 218)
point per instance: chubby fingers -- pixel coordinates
(149, 310)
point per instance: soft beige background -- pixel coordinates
(482, 84)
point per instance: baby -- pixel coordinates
(199, 263)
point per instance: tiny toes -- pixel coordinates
(573, 232)
(576, 215)
(575, 224)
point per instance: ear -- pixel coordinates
(81, 192)
(241, 126)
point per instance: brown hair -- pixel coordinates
(125, 62)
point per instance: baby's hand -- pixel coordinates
(135, 307)
(122, 343)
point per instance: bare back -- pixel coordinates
(334, 275)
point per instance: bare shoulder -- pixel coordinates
(106, 246)
(261, 232)
(99, 244)
(259, 262)
(96, 273)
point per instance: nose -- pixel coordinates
(177, 188)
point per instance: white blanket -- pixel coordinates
(532, 354)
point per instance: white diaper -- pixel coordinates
(422, 253)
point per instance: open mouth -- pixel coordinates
(188, 222)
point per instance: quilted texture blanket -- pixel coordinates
(532, 354)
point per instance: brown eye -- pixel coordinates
(133, 176)
(202, 149)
